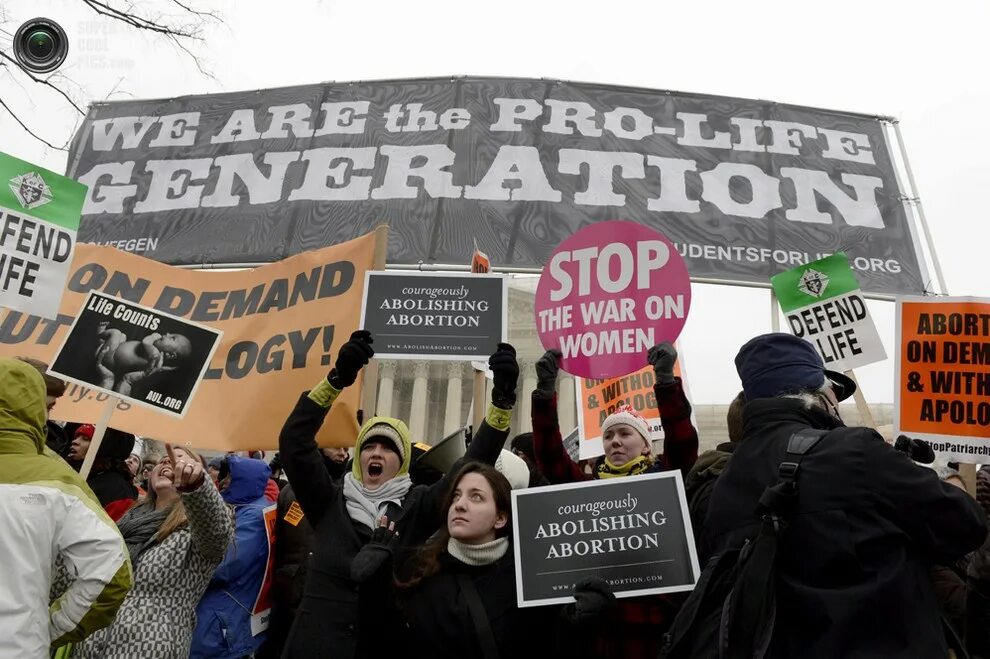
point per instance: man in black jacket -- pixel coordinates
(853, 566)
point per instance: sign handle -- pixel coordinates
(369, 374)
(865, 415)
(101, 430)
(478, 401)
(774, 315)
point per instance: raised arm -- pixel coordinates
(297, 442)
(680, 438)
(548, 445)
(210, 521)
(487, 442)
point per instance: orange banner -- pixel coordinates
(596, 399)
(283, 324)
(943, 375)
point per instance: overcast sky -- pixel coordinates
(920, 62)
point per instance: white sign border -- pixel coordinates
(688, 529)
(113, 394)
(928, 437)
(436, 358)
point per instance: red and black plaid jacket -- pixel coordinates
(635, 627)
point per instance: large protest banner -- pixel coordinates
(39, 217)
(611, 292)
(143, 355)
(825, 307)
(438, 316)
(596, 399)
(942, 393)
(282, 325)
(634, 533)
(512, 166)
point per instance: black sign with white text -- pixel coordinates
(435, 316)
(509, 166)
(136, 353)
(634, 533)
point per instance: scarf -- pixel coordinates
(138, 526)
(484, 554)
(365, 506)
(639, 465)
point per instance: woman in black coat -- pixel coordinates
(341, 616)
(460, 595)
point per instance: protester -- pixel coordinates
(176, 539)
(467, 573)
(133, 463)
(55, 438)
(223, 616)
(636, 626)
(47, 513)
(852, 571)
(110, 477)
(700, 481)
(336, 612)
(949, 581)
(978, 582)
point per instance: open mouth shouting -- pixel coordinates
(376, 468)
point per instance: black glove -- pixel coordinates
(919, 451)
(662, 357)
(353, 356)
(592, 598)
(547, 368)
(376, 553)
(505, 369)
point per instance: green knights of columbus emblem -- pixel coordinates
(813, 283)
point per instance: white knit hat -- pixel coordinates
(629, 416)
(381, 431)
(514, 469)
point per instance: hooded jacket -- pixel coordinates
(47, 512)
(225, 624)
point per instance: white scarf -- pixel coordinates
(484, 554)
(365, 506)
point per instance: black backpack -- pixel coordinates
(730, 613)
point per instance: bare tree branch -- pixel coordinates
(41, 81)
(31, 132)
(178, 30)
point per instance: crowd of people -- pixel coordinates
(816, 539)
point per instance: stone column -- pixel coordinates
(524, 396)
(417, 412)
(386, 388)
(566, 403)
(452, 417)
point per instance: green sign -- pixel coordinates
(39, 218)
(824, 306)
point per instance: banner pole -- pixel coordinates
(101, 430)
(865, 415)
(916, 200)
(369, 374)
(774, 315)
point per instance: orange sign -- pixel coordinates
(943, 374)
(480, 263)
(283, 324)
(596, 399)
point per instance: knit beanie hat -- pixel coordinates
(514, 468)
(393, 433)
(629, 416)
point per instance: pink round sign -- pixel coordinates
(608, 294)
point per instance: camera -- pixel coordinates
(40, 45)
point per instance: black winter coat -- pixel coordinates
(337, 617)
(853, 567)
(440, 622)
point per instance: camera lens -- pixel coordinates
(40, 45)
